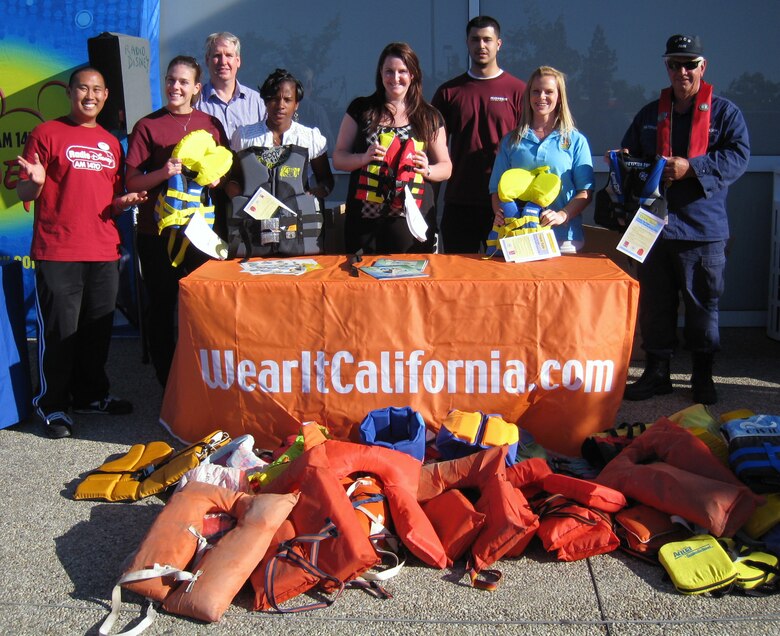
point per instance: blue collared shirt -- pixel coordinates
(570, 160)
(697, 206)
(246, 107)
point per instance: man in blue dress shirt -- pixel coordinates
(223, 96)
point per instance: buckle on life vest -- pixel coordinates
(384, 181)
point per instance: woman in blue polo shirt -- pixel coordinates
(546, 136)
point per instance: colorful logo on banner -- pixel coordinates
(30, 93)
(36, 60)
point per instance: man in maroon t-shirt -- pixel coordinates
(71, 168)
(479, 108)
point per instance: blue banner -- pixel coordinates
(41, 42)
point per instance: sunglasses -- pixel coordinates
(688, 66)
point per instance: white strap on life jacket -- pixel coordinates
(140, 575)
(387, 573)
(377, 527)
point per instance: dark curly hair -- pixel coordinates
(272, 83)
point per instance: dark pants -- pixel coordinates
(161, 284)
(465, 228)
(75, 304)
(386, 235)
(694, 269)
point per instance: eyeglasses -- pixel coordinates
(688, 66)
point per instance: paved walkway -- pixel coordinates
(60, 558)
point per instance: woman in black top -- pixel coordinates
(373, 144)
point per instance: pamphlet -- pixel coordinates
(384, 268)
(263, 205)
(287, 266)
(418, 264)
(535, 246)
(414, 218)
(641, 234)
(204, 238)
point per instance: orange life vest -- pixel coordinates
(345, 553)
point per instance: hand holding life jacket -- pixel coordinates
(203, 163)
(295, 228)
(632, 183)
(384, 181)
(523, 195)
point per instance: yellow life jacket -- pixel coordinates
(146, 470)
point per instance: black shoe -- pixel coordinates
(701, 379)
(655, 380)
(57, 424)
(108, 405)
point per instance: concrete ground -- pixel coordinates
(59, 558)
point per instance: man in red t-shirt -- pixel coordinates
(479, 108)
(71, 169)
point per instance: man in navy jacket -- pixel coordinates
(705, 141)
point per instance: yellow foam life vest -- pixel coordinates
(146, 470)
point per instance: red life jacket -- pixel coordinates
(574, 520)
(314, 554)
(700, 127)
(672, 470)
(384, 181)
(508, 525)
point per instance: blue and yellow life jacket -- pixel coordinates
(523, 195)
(187, 193)
(464, 433)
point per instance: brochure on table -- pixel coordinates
(286, 266)
(384, 268)
(535, 246)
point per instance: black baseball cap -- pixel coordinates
(684, 46)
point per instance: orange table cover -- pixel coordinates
(544, 344)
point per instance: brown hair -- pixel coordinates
(191, 62)
(424, 119)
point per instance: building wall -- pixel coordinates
(610, 50)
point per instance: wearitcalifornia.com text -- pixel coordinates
(400, 372)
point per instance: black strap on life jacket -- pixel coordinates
(632, 182)
(287, 551)
(285, 233)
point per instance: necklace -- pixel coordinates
(178, 122)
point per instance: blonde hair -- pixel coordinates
(564, 121)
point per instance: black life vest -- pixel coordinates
(632, 183)
(285, 233)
